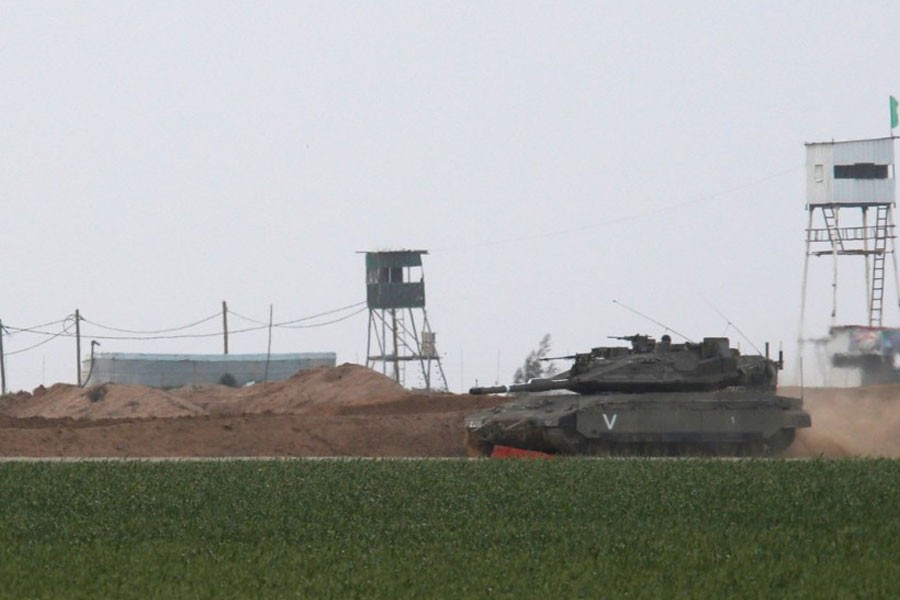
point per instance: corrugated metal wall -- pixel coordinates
(175, 370)
(823, 188)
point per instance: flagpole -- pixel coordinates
(895, 118)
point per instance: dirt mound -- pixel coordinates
(344, 411)
(862, 421)
(346, 385)
(323, 390)
(106, 401)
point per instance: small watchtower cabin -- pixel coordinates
(850, 197)
(399, 332)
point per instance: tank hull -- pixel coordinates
(720, 423)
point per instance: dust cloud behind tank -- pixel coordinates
(648, 398)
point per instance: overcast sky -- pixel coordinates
(161, 157)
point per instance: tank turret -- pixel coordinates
(650, 366)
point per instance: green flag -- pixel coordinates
(894, 120)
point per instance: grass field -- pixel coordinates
(480, 529)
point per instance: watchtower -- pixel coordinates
(399, 332)
(850, 201)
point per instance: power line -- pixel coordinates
(181, 336)
(240, 316)
(344, 318)
(35, 328)
(290, 324)
(167, 334)
(64, 332)
(623, 219)
(159, 331)
(330, 312)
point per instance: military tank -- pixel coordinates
(647, 399)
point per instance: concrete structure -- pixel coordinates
(873, 351)
(175, 370)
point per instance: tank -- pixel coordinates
(647, 399)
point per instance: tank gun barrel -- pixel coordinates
(495, 389)
(535, 385)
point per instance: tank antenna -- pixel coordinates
(730, 324)
(654, 321)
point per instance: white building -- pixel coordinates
(175, 370)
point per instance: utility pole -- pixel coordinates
(78, 344)
(2, 363)
(269, 347)
(225, 324)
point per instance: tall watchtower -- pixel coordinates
(850, 201)
(846, 182)
(399, 332)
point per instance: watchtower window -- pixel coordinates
(861, 171)
(385, 275)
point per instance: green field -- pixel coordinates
(479, 529)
